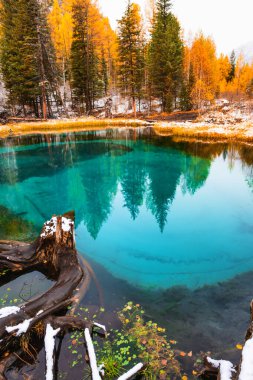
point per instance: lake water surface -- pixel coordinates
(152, 213)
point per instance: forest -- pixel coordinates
(62, 58)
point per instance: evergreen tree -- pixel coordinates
(231, 74)
(27, 59)
(165, 56)
(85, 71)
(131, 53)
(186, 103)
(104, 74)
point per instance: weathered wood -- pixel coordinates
(54, 254)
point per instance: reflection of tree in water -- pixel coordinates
(82, 172)
(163, 181)
(8, 164)
(14, 227)
(133, 182)
(98, 190)
(195, 173)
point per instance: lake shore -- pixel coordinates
(67, 125)
(238, 132)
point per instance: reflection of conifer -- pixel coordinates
(162, 188)
(195, 173)
(99, 189)
(133, 187)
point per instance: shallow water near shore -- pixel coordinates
(166, 224)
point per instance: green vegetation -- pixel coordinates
(131, 53)
(139, 340)
(166, 56)
(13, 227)
(86, 79)
(27, 58)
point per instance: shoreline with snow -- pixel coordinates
(238, 132)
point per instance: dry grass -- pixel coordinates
(61, 126)
(239, 132)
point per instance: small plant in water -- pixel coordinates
(139, 340)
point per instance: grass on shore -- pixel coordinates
(65, 125)
(240, 132)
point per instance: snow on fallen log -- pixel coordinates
(9, 310)
(131, 372)
(246, 372)
(100, 326)
(225, 367)
(49, 348)
(92, 356)
(21, 328)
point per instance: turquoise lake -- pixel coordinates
(151, 211)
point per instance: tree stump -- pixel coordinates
(54, 254)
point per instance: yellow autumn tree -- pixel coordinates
(61, 25)
(100, 33)
(224, 68)
(205, 69)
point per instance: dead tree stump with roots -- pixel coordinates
(54, 254)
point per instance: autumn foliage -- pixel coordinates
(66, 54)
(215, 76)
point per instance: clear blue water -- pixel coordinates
(151, 211)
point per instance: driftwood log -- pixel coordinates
(54, 254)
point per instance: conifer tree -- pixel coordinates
(27, 59)
(85, 66)
(165, 56)
(186, 91)
(131, 53)
(231, 74)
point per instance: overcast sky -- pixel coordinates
(229, 22)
